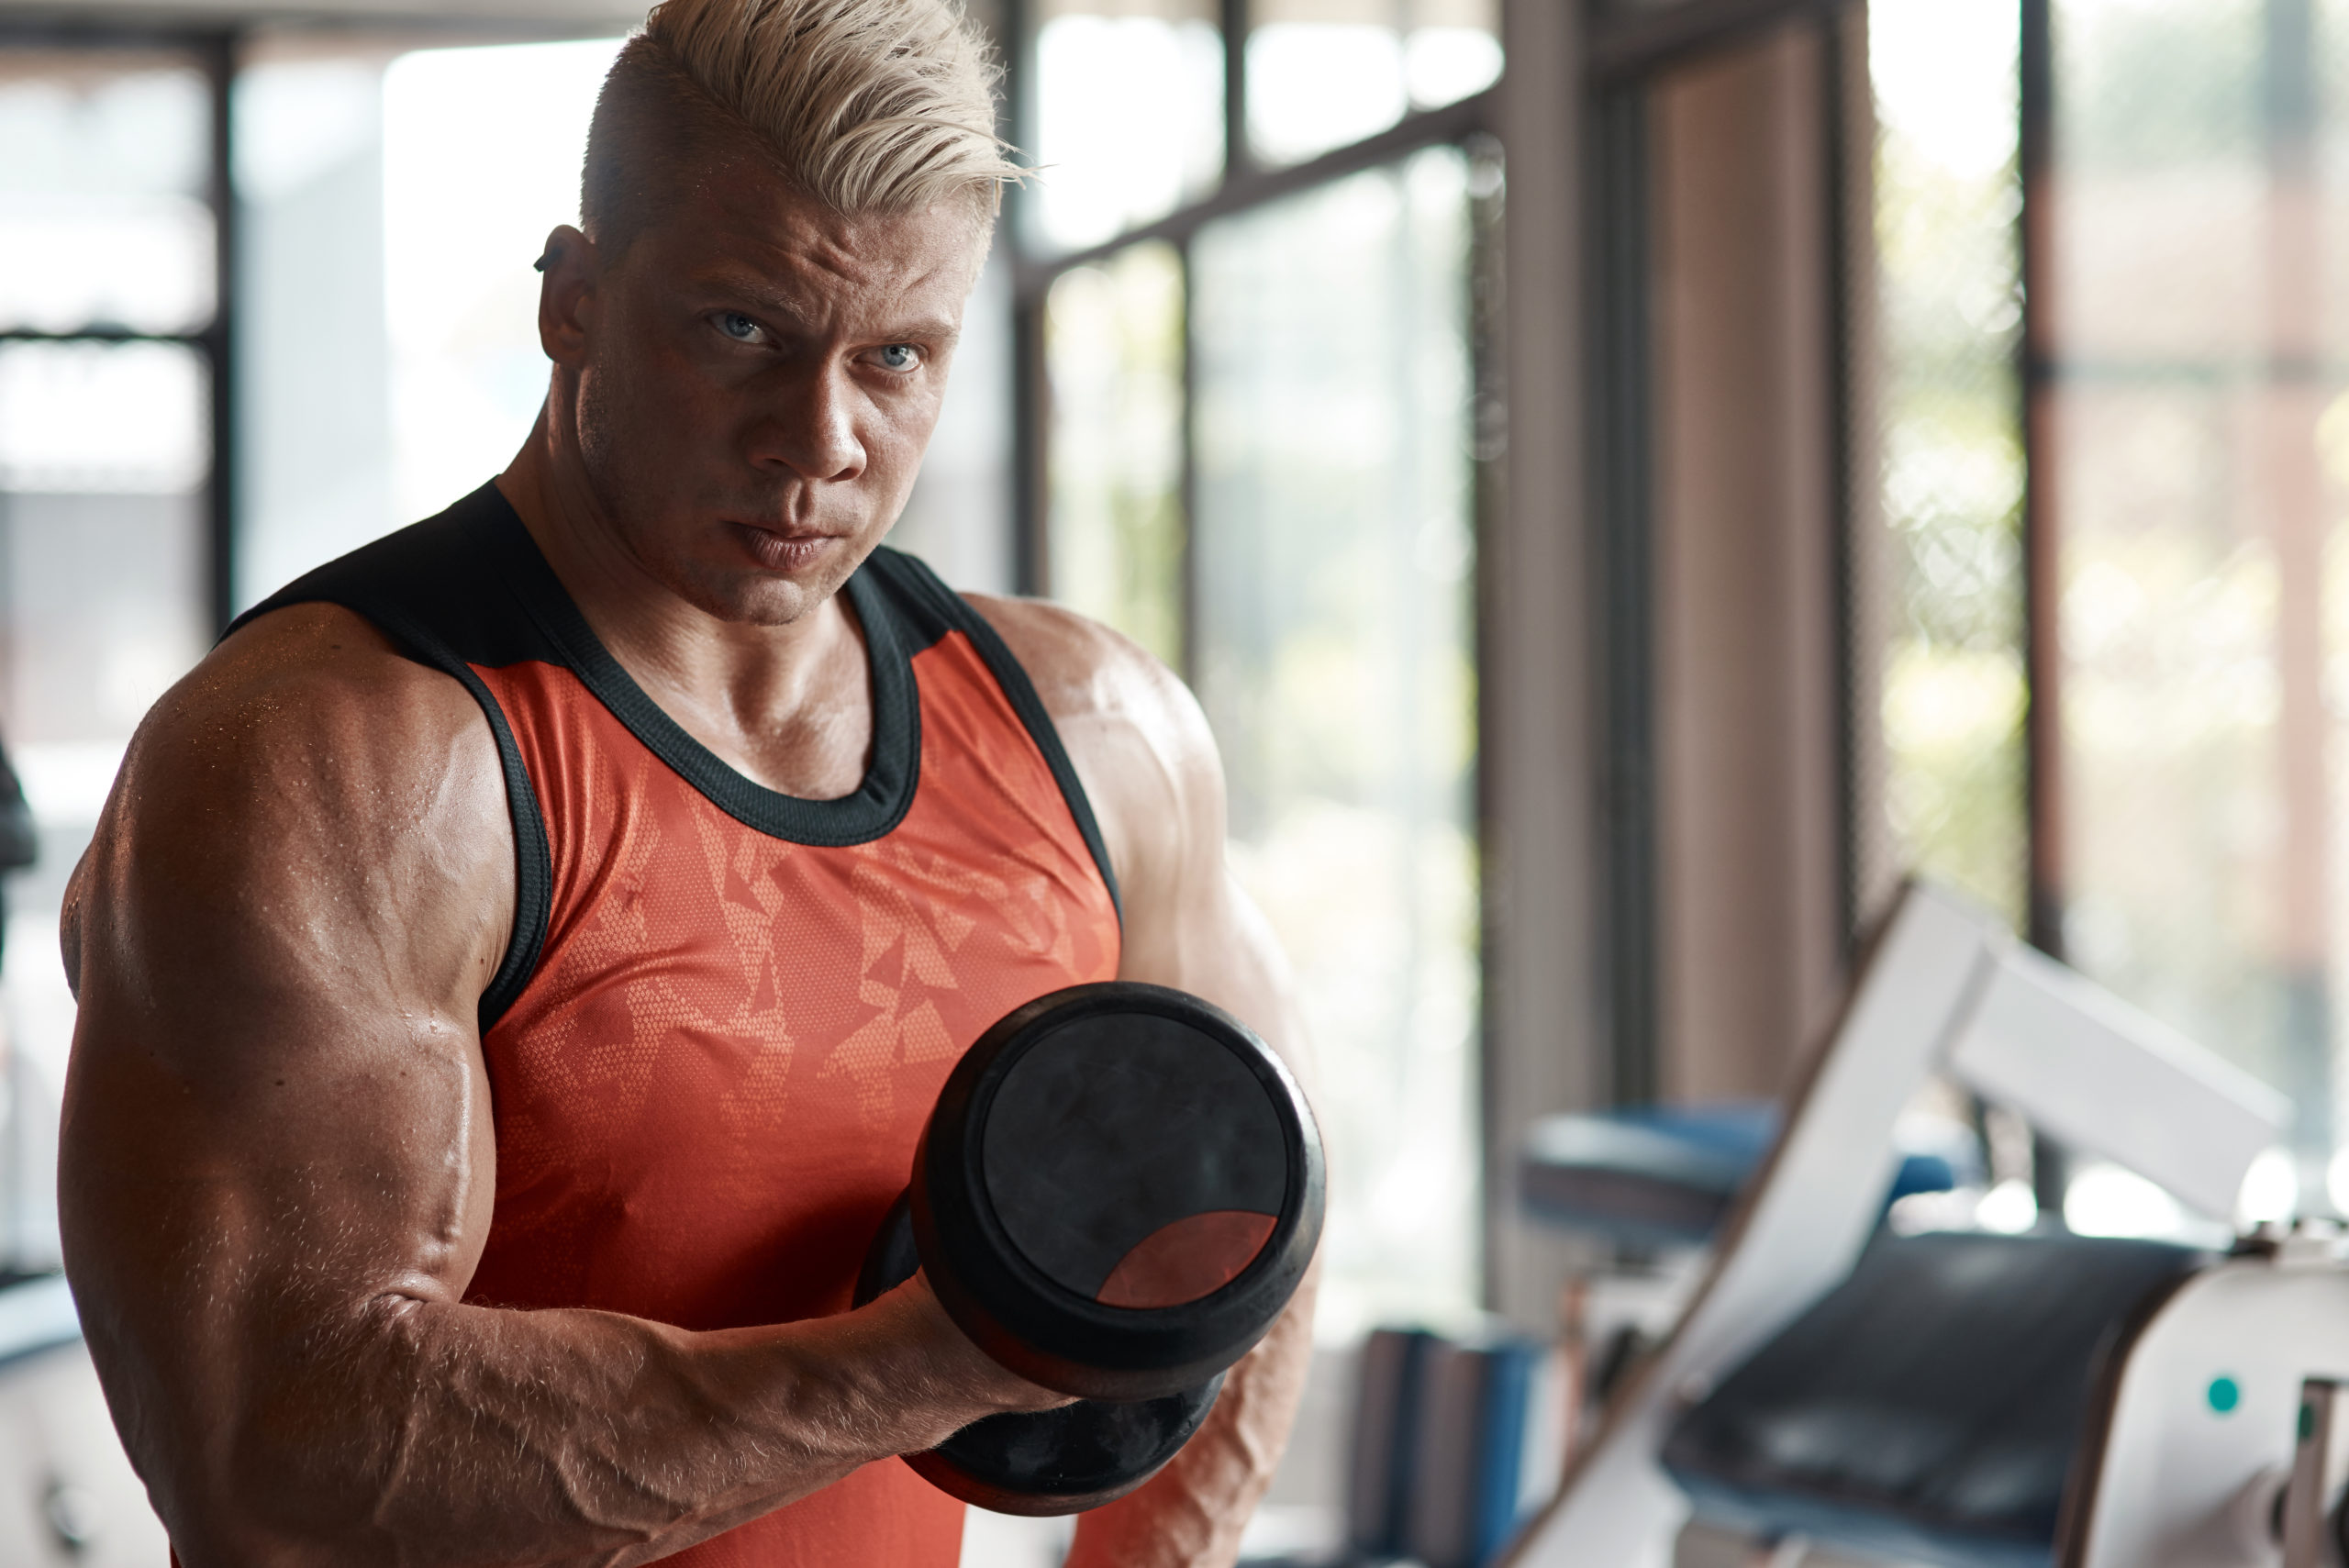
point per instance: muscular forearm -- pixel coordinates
(456, 1435)
(1191, 1514)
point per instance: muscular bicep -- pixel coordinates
(1142, 750)
(1189, 924)
(275, 1114)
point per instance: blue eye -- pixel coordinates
(737, 326)
(900, 357)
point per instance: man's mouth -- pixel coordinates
(787, 552)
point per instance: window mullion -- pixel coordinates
(218, 54)
(1233, 19)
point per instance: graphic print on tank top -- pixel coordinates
(726, 1012)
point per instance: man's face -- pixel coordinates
(757, 379)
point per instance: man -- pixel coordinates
(514, 965)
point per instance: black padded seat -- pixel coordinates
(1927, 1407)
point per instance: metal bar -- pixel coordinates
(1239, 158)
(1032, 394)
(2042, 734)
(1843, 454)
(1623, 615)
(100, 335)
(1030, 387)
(1629, 45)
(1454, 122)
(1488, 492)
(219, 54)
(79, 34)
(139, 29)
(2042, 652)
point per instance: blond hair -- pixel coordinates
(866, 105)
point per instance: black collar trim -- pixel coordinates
(879, 803)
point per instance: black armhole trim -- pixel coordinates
(533, 860)
(913, 577)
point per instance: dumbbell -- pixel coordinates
(1117, 1193)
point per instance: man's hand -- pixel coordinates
(1142, 750)
(278, 1166)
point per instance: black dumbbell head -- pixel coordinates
(1119, 1191)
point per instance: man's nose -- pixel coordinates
(809, 425)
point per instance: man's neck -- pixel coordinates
(789, 705)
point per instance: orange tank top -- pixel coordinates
(726, 1012)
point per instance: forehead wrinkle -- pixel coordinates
(868, 260)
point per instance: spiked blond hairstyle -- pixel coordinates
(866, 105)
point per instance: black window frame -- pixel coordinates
(214, 51)
(1244, 185)
(1629, 48)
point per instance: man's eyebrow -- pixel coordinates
(780, 309)
(787, 312)
(935, 328)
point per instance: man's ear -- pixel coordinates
(566, 294)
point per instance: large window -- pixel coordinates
(1256, 459)
(1334, 543)
(2115, 681)
(2192, 419)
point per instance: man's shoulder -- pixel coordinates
(313, 662)
(1136, 735)
(1082, 669)
(307, 698)
(303, 766)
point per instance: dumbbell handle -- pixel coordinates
(1062, 1460)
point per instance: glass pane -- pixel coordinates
(2195, 407)
(1949, 275)
(1128, 105)
(1324, 72)
(103, 606)
(1114, 341)
(101, 218)
(482, 149)
(314, 442)
(1335, 565)
(120, 418)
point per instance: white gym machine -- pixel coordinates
(2209, 1434)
